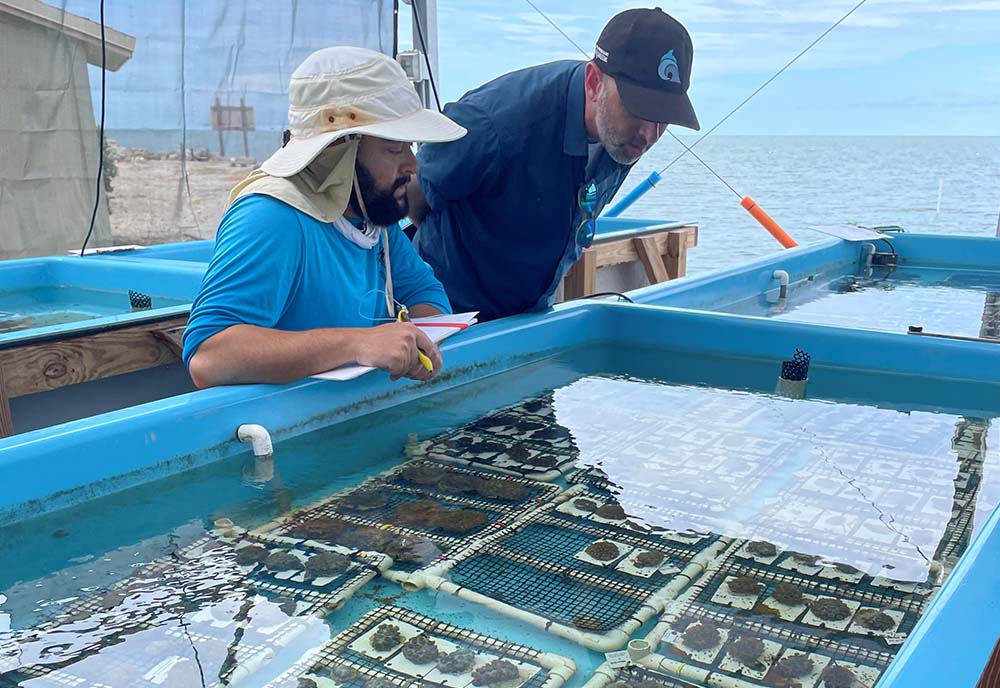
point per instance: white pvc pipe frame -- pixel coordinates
(433, 578)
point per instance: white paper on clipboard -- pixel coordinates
(850, 232)
(435, 327)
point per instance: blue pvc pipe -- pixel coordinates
(634, 195)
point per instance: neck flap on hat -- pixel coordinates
(322, 190)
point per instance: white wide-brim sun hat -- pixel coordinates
(343, 91)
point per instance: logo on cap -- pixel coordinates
(668, 69)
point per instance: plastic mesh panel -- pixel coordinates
(535, 492)
(557, 597)
(523, 440)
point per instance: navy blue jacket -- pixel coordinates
(501, 229)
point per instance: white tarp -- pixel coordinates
(187, 56)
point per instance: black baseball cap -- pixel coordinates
(649, 55)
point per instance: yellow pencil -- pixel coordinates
(425, 361)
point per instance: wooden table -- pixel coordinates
(661, 250)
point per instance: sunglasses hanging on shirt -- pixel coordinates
(587, 200)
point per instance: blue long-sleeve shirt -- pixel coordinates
(274, 266)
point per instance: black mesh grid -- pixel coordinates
(796, 369)
(313, 598)
(338, 653)
(523, 439)
(397, 491)
(551, 595)
(969, 444)
(552, 541)
(536, 492)
(534, 568)
(497, 452)
(592, 477)
(863, 591)
(383, 516)
(139, 301)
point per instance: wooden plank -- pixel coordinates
(581, 280)
(651, 259)
(49, 365)
(690, 231)
(623, 250)
(6, 421)
(675, 258)
(991, 674)
(173, 338)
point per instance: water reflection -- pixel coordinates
(193, 618)
(868, 487)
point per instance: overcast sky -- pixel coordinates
(894, 67)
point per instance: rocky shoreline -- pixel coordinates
(151, 202)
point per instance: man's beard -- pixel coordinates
(614, 142)
(382, 207)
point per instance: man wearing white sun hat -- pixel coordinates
(309, 258)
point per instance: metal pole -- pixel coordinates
(217, 122)
(427, 10)
(243, 126)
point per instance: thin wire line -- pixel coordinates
(687, 149)
(707, 166)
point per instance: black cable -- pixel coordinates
(100, 150)
(621, 297)
(183, 90)
(395, 29)
(889, 244)
(427, 59)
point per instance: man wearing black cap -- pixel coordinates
(505, 212)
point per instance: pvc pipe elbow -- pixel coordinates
(258, 436)
(782, 277)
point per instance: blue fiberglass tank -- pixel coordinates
(575, 475)
(44, 301)
(942, 285)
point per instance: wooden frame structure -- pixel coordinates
(661, 250)
(232, 118)
(49, 363)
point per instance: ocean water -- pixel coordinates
(799, 180)
(820, 180)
